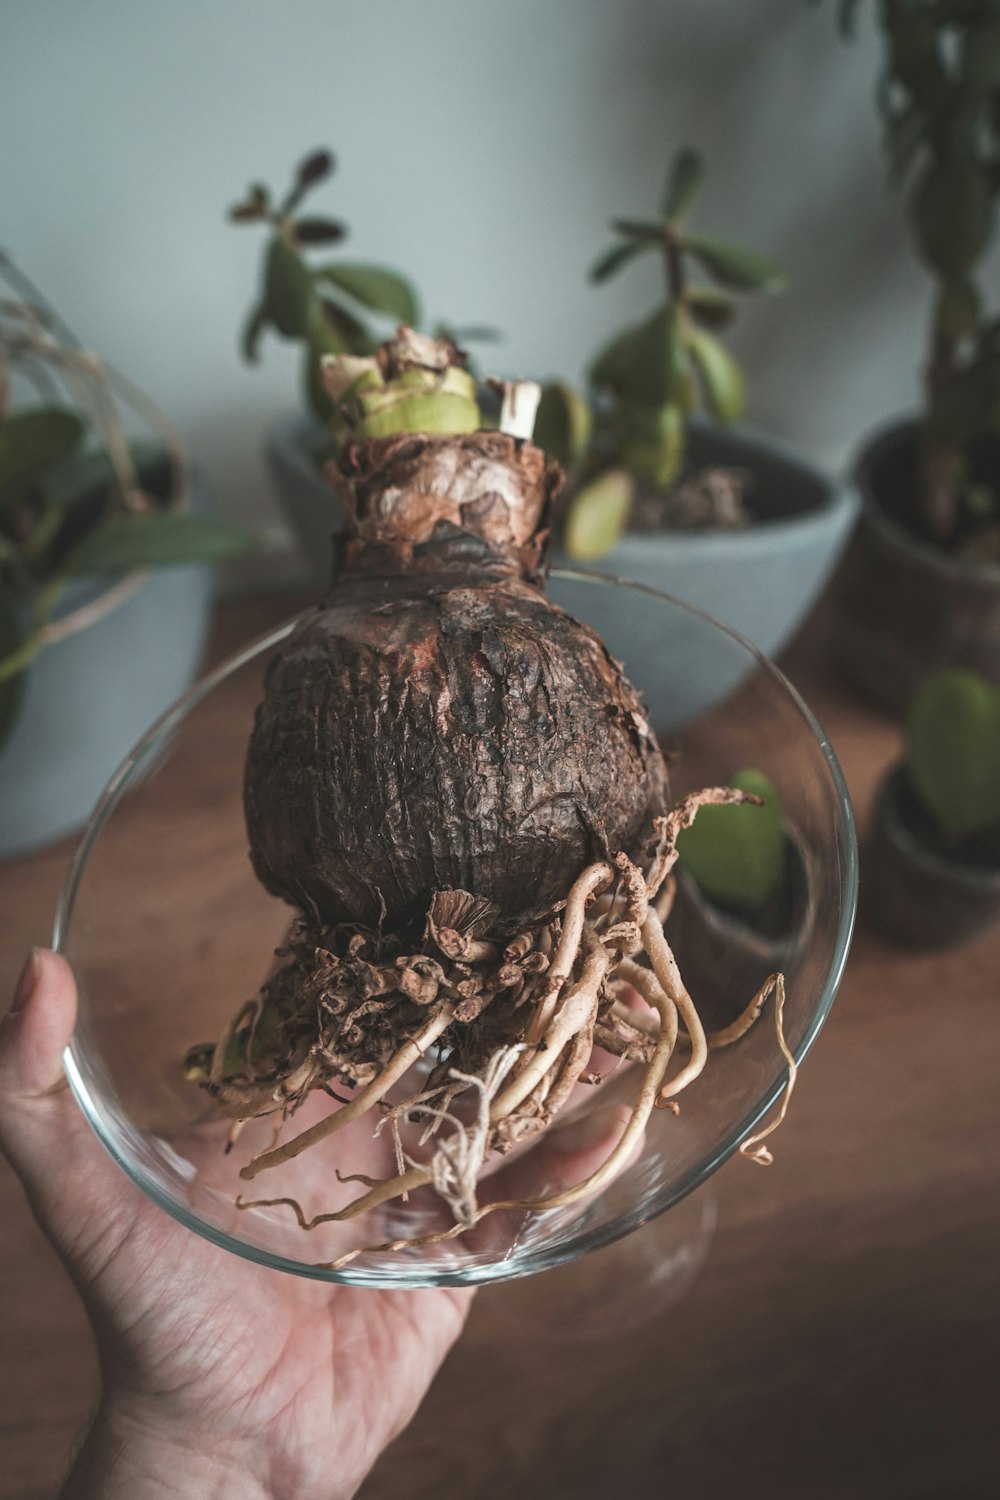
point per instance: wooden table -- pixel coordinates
(842, 1339)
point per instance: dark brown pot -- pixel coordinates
(725, 958)
(905, 607)
(915, 894)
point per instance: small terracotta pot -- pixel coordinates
(916, 894)
(905, 607)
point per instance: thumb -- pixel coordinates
(35, 1108)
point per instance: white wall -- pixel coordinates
(483, 146)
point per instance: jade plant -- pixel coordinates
(326, 305)
(78, 498)
(736, 853)
(939, 100)
(952, 762)
(626, 443)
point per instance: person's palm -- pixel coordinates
(293, 1386)
(309, 1379)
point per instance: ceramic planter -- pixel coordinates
(762, 581)
(915, 894)
(129, 648)
(905, 608)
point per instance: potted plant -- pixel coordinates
(932, 875)
(93, 644)
(724, 518)
(741, 909)
(327, 307)
(920, 587)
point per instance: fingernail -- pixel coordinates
(26, 983)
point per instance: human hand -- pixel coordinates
(220, 1378)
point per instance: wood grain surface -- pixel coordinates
(841, 1340)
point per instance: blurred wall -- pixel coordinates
(483, 147)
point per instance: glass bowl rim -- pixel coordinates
(539, 1260)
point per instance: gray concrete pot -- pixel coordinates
(90, 695)
(306, 495)
(761, 581)
(906, 608)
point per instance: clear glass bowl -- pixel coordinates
(156, 978)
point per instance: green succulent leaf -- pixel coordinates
(683, 182)
(737, 852)
(289, 298)
(11, 686)
(251, 335)
(612, 260)
(952, 212)
(317, 231)
(652, 446)
(649, 231)
(721, 377)
(645, 364)
(376, 288)
(34, 443)
(349, 334)
(563, 423)
(710, 307)
(733, 266)
(953, 751)
(956, 315)
(597, 516)
(157, 539)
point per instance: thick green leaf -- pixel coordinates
(619, 255)
(952, 212)
(289, 298)
(351, 334)
(33, 443)
(737, 852)
(953, 751)
(12, 687)
(645, 364)
(710, 307)
(652, 231)
(252, 330)
(597, 516)
(721, 377)
(376, 288)
(155, 540)
(732, 266)
(683, 182)
(563, 423)
(652, 446)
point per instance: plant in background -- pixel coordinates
(939, 99)
(953, 761)
(649, 379)
(324, 306)
(736, 853)
(78, 498)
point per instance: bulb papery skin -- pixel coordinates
(437, 723)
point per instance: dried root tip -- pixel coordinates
(752, 1148)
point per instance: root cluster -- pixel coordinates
(508, 1032)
